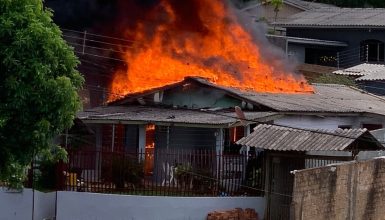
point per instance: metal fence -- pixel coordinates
(163, 173)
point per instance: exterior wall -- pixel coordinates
(353, 37)
(314, 122)
(345, 191)
(297, 52)
(190, 96)
(18, 206)
(79, 206)
(186, 138)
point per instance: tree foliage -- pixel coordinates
(354, 3)
(38, 86)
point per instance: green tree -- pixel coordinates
(38, 86)
(277, 4)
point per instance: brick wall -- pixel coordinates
(353, 190)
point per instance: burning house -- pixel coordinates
(196, 80)
(195, 125)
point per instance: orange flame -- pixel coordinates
(224, 53)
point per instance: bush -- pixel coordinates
(126, 170)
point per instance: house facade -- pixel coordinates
(264, 11)
(186, 136)
(177, 114)
(357, 35)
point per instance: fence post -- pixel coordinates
(113, 138)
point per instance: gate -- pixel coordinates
(280, 180)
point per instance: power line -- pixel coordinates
(98, 56)
(98, 35)
(96, 41)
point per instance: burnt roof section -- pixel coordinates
(338, 18)
(146, 114)
(277, 138)
(327, 98)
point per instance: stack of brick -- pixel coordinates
(235, 214)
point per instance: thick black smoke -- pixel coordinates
(112, 16)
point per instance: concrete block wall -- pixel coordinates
(353, 190)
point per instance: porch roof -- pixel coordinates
(273, 137)
(148, 114)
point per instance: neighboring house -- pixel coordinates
(286, 151)
(370, 77)
(349, 35)
(263, 11)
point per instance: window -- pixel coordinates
(232, 135)
(372, 51)
(372, 127)
(344, 126)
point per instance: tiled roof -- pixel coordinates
(272, 137)
(147, 114)
(337, 17)
(308, 5)
(366, 71)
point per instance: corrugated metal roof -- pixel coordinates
(147, 114)
(308, 5)
(361, 69)
(272, 137)
(367, 72)
(372, 76)
(331, 98)
(303, 5)
(337, 17)
(326, 98)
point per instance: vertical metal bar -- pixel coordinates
(367, 53)
(84, 42)
(113, 138)
(168, 137)
(338, 60)
(378, 52)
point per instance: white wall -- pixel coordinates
(315, 122)
(84, 206)
(18, 206)
(44, 205)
